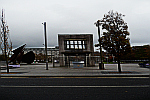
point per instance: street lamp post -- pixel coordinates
(45, 45)
(100, 67)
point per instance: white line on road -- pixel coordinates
(76, 86)
(70, 77)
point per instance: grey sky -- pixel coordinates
(25, 18)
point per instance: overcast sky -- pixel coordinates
(25, 18)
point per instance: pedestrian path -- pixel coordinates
(110, 70)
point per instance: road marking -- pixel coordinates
(69, 77)
(75, 86)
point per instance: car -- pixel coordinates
(146, 65)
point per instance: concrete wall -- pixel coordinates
(89, 50)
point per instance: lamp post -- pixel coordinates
(102, 65)
(45, 45)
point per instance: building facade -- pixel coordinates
(75, 47)
(52, 52)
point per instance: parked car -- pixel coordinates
(146, 65)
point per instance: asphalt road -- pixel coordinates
(75, 88)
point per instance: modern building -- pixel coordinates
(75, 47)
(40, 52)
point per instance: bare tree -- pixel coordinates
(6, 44)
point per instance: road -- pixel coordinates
(75, 88)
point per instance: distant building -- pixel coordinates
(141, 52)
(75, 47)
(40, 52)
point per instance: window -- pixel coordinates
(75, 44)
(79, 42)
(71, 42)
(71, 46)
(67, 46)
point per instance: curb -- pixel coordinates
(74, 76)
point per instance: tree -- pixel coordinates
(141, 52)
(115, 38)
(5, 44)
(2, 57)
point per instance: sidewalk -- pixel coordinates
(39, 70)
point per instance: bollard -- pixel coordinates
(100, 66)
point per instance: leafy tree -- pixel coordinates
(141, 52)
(2, 57)
(115, 36)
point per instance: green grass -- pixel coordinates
(108, 62)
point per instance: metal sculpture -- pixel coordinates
(18, 53)
(19, 56)
(28, 57)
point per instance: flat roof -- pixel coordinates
(75, 33)
(39, 47)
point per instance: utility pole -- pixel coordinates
(45, 45)
(97, 24)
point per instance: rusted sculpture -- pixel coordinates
(20, 56)
(28, 57)
(17, 54)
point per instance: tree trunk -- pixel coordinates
(119, 68)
